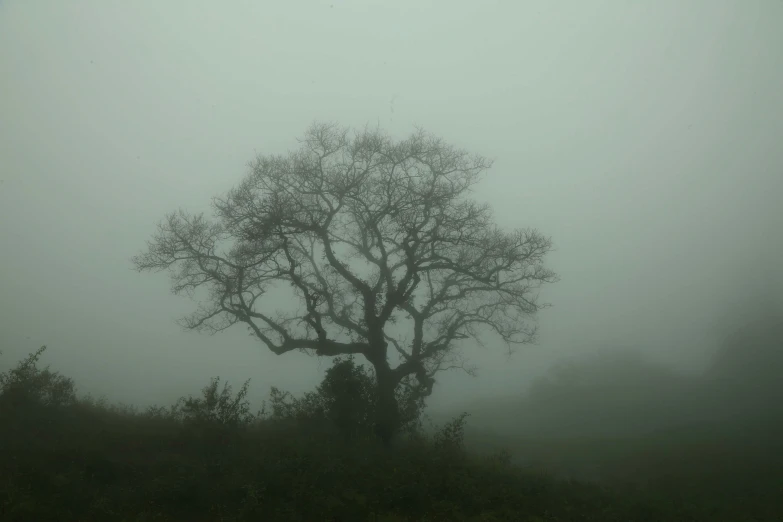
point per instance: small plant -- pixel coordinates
(451, 436)
(213, 407)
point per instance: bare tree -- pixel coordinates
(377, 240)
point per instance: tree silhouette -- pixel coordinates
(377, 240)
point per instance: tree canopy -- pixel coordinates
(380, 244)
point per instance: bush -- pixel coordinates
(114, 463)
(344, 401)
(451, 436)
(28, 386)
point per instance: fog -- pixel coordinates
(643, 137)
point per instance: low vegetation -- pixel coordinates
(315, 458)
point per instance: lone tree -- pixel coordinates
(377, 240)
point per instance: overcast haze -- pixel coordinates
(643, 137)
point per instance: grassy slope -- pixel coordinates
(67, 459)
(89, 462)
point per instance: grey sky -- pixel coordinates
(644, 137)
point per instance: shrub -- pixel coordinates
(212, 407)
(28, 386)
(451, 436)
(344, 401)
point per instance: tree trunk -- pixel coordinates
(387, 414)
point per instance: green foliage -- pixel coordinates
(28, 386)
(212, 407)
(348, 397)
(83, 459)
(346, 401)
(451, 437)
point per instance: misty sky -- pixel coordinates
(645, 137)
